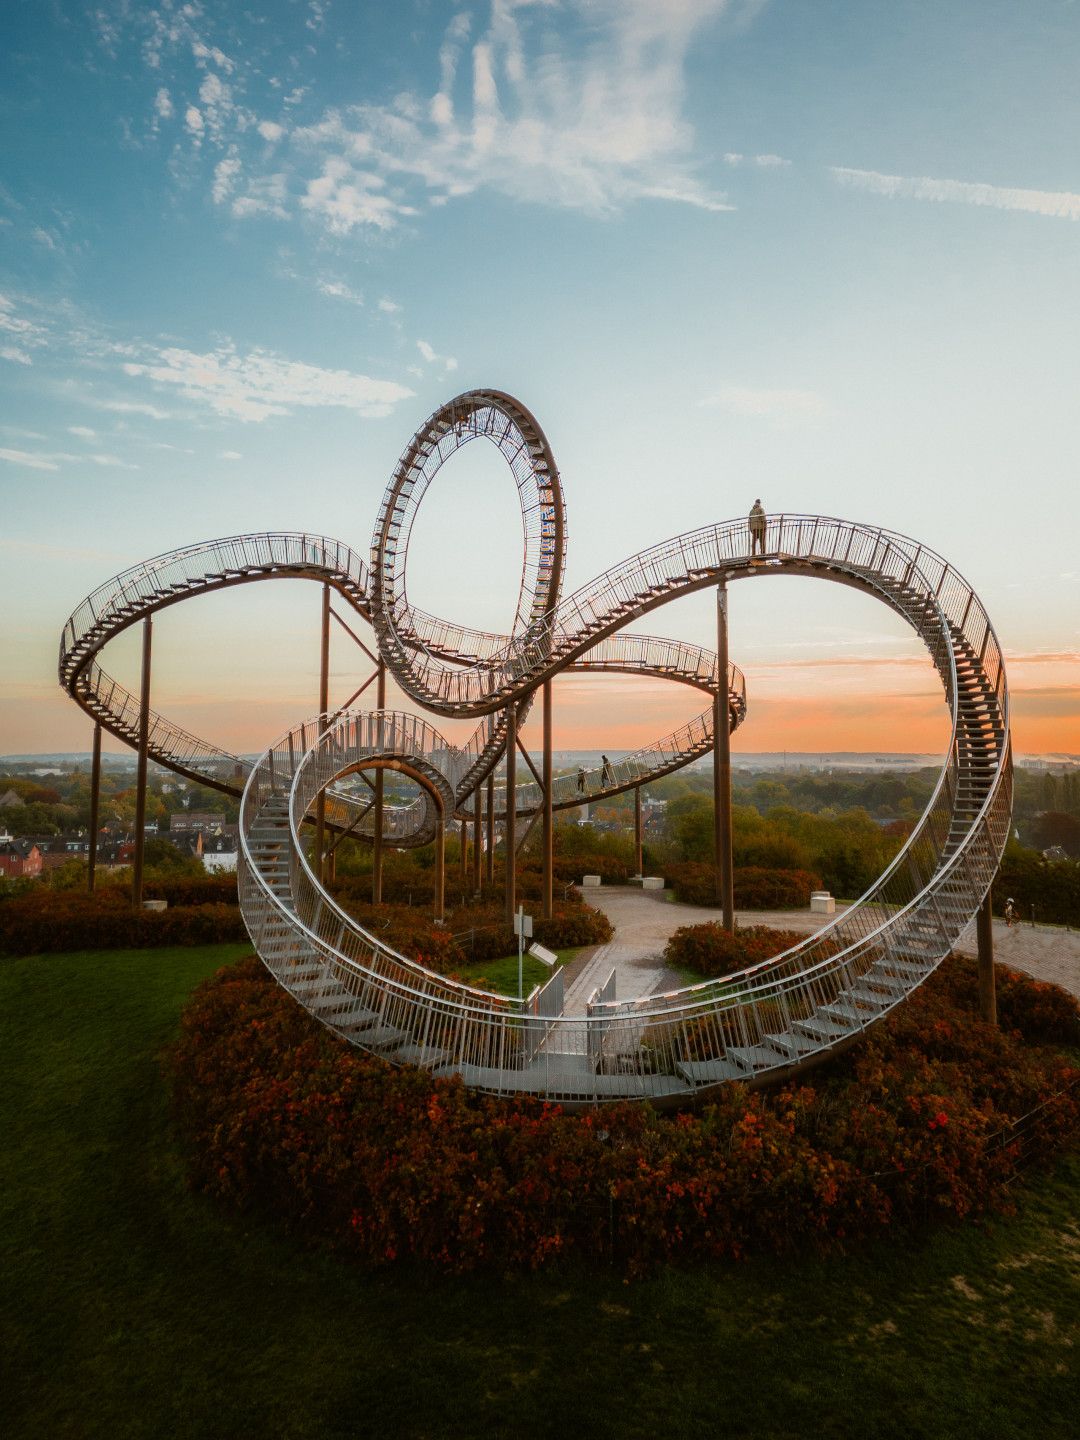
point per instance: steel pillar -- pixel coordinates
(548, 817)
(95, 801)
(985, 935)
(464, 852)
(725, 880)
(510, 811)
(477, 839)
(377, 842)
(324, 709)
(140, 777)
(491, 830)
(637, 830)
(440, 867)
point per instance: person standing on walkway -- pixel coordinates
(581, 780)
(757, 529)
(606, 775)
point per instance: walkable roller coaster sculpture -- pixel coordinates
(764, 1024)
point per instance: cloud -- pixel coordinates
(1058, 204)
(447, 362)
(225, 175)
(163, 105)
(230, 455)
(389, 307)
(82, 431)
(338, 290)
(134, 407)
(32, 462)
(588, 116)
(265, 195)
(735, 158)
(15, 355)
(780, 407)
(254, 386)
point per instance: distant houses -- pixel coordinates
(19, 859)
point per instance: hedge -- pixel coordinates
(52, 920)
(389, 1165)
(755, 888)
(710, 950)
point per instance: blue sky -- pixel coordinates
(823, 253)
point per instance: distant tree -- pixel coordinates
(1054, 827)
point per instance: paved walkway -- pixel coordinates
(644, 922)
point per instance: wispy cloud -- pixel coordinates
(583, 109)
(779, 407)
(447, 362)
(133, 407)
(21, 334)
(29, 460)
(253, 386)
(1058, 204)
(338, 290)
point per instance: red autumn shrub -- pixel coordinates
(710, 950)
(52, 920)
(473, 932)
(387, 1164)
(207, 890)
(756, 888)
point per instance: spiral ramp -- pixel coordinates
(767, 1023)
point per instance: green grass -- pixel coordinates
(502, 975)
(131, 1308)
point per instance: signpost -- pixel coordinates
(523, 930)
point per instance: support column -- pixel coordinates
(725, 880)
(140, 779)
(491, 830)
(637, 830)
(477, 838)
(324, 710)
(440, 866)
(95, 802)
(464, 852)
(377, 846)
(548, 817)
(985, 936)
(510, 811)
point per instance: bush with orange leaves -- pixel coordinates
(391, 1165)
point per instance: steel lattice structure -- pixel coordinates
(766, 1023)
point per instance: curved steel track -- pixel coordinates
(766, 1023)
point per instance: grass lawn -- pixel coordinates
(133, 1308)
(502, 975)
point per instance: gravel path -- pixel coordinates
(644, 922)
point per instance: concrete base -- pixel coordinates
(653, 882)
(822, 903)
(155, 904)
(590, 882)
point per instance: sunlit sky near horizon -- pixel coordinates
(826, 254)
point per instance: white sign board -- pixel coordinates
(523, 925)
(545, 956)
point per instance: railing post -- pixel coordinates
(637, 831)
(95, 799)
(140, 778)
